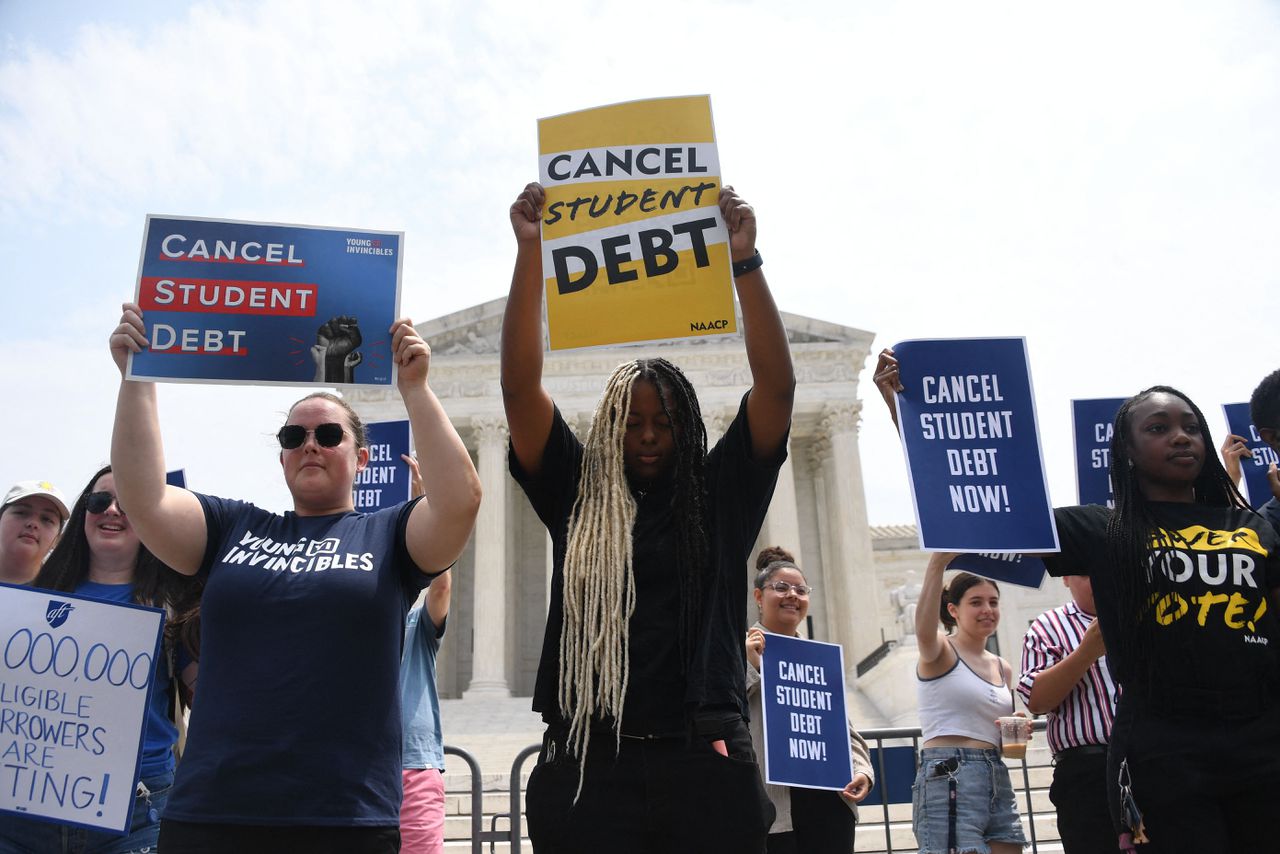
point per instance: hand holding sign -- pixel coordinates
(128, 337)
(740, 218)
(411, 354)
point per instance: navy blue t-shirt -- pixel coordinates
(297, 719)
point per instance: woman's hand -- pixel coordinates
(1233, 448)
(526, 213)
(410, 353)
(740, 218)
(888, 380)
(128, 337)
(755, 647)
(857, 790)
(415, 476)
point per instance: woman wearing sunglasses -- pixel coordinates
(100, 556)
(296, 742)
(814, 821)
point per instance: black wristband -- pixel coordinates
(741, 268)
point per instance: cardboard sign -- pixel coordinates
(806, 729)
(385, 481)
(73, 700)
(1092, 423)
(1240, 422)
(633, 244)
(251, 302)
(968, 423)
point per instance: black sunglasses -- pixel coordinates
(98, 502)
(293, 435)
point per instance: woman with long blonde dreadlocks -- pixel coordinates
(641, 681)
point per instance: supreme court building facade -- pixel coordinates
(864, 577)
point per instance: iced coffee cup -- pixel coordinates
(1013, 736)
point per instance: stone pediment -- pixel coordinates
(475, 331)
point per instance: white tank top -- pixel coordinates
(960, 702)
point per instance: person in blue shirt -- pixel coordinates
(100, 556)
(422, 810)
(294, 742)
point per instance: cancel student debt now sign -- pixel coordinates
(633, 244)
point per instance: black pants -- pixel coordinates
(1206, 783)
(181, 837)
(821, 822)
(668, 796)
(1079, 793)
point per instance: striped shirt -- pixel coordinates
(1085, 716)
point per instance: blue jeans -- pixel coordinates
(985, 808)
(20, 835)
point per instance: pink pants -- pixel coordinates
(422, 811)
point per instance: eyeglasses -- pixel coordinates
(293, 435)
(781, 588)
(98, 502)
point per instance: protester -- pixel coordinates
(963, 688)
(295, 737)
(30, 521)
(1185, 579)
(809, 821)
(1065, 675)
(641, 681)
(101, 557)
(422, 810)
(1264, 411)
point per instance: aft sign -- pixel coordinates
(806, 727)
(73, 699)
(249, 302)
(633, 244)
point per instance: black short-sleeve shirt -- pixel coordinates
(659, 697)
(1223, 635)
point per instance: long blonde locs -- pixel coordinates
(599, 579)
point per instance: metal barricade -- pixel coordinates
(875, 738)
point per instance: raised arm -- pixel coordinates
(927, 620)
(773, 381)
(529, 407)
(1051, 684)
(442, 521)
(169, 520)
(438, 598)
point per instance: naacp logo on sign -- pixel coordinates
(58, 612)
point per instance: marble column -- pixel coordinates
(489, 614)
(851, 567)
(782, 522)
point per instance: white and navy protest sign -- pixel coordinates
(806, 730)
(968, 422)
(1092, 424)
(1023, 570)
(177, 477)
(1240, 422)
(251, 302)
(73, 698)
(385, 481)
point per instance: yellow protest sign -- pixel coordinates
(633, 244)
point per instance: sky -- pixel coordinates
(1100, 178)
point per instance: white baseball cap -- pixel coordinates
(44, 489)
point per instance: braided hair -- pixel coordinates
(1138, 550)
(599, 580)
